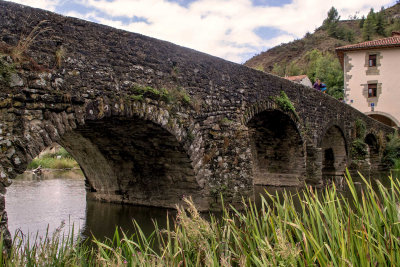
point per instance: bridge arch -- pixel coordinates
(334, 151)
(384, 118)
(130, 152)
(372, 142)
(277, 145)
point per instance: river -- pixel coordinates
(33, 205)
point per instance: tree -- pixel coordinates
(327, 68)
(380, 22)
(362, 20)
(331, 22)
(369, 28)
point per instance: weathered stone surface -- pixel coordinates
(202, 126)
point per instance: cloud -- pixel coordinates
(224, 28)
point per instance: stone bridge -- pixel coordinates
(149, 121)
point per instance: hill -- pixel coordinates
(294, 58)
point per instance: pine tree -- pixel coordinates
(331, 22)
(362, 20)
(380, 22)
(369, 27)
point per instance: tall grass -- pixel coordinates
(328, 230)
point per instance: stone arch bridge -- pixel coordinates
(149, 121)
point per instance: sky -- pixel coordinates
(235, 30)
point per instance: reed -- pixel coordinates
(328, 230)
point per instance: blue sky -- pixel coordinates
(234, 30)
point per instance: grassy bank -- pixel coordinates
(328, 231)
(59, 160)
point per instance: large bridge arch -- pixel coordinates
(277, 145)
(132, 152)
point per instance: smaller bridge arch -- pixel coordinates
(334, 151)
(277, 145)
(373, 148)
(384, 118)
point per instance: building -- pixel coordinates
(372, 77)
(301, 79)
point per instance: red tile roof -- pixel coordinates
(393, 41)
(388, 42)
(295, 78)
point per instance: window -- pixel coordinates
(372, 89)
(372, 61)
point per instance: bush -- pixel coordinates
(358, 149)
(391, 154)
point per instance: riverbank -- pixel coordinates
(330, 230)
(59, 159)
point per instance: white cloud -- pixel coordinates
(224, 28)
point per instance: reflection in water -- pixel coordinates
(103, 218)
(32, 204)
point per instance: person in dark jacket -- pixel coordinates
(317, 84)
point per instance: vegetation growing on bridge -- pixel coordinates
(358, 146)
(167, 95)
(391, 154)
(284, 103)
(6, 70)
(329, 230)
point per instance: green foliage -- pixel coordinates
(369, 28)
(391, 154)
(360, 128)
(327, 230)
(380, 22)
(283, 70)
(284, 102)
(279, 69)
(6, 70)
(361, 23)
(327, 68)
(169, 96)
(331, 22)
(59, 160)
(394, 26)
(396, 165)
(225, 121)
(358, 149)
(334, 29)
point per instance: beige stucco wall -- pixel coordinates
(306, 81)
(387, 75)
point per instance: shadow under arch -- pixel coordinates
(277, 147)
(373, 156)
(334, 153)
(132, 152)
(131, 160)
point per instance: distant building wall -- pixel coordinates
(385, 75)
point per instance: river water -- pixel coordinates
(33, 205)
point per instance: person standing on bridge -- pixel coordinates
(317, 85)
